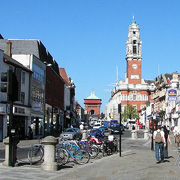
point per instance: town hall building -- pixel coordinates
(133, 90)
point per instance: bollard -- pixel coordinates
(49, 163)
(15, 141)
(146, 135)
(134, 134)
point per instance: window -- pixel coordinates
(134, 97)
(22, 98)
(134, 41)
(38, 73)
(23, 77)
(134, 50)
(37, 95)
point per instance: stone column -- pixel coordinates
(146, 134)
(134, 134)
(15, 141)
(49, 163)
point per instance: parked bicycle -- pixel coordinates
(91, 148)
(36, 153)
(79, 156)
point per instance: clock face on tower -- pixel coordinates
(134, 66)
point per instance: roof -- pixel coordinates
(64, 75)
(92, 96)
(30, 46)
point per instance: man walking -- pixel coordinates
(160, 143)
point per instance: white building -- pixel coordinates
(22, 108)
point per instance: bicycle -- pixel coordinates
(79, 156)
(91, 148)
(36, 153)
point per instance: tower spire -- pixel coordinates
(134, 21)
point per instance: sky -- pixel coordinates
(88, 37)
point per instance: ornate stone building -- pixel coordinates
(133, 90)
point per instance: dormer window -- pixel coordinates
(134, 33)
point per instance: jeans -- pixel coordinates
(159, 146)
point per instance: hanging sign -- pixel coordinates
(172, 95)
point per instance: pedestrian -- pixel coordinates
(167, 139)
(175, 132)
(160, 143)
(30, 133)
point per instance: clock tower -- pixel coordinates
(133, 54)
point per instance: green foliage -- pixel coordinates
(130, 112)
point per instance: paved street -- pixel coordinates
(137, 162)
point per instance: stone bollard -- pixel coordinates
(84, 134)
(49, 163)
(134, 134)
(146, 134)
(15, 141)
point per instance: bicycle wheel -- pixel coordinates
(93, 151)
(81, 156)
(35, 154)
(62, 156)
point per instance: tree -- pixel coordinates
(130, 112)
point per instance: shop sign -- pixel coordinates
(18, 110)
(22, 111)
(37, 107)
(172, 95)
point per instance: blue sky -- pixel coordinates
(87, 37)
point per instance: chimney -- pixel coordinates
(8, 49)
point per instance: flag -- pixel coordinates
(169, 81)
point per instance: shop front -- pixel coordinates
(21, 121)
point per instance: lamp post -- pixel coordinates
(119, 111)
(152, 143)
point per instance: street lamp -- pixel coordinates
(119, 111)
(152, 143)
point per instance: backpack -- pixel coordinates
(158, 138)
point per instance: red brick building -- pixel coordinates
(92, 105)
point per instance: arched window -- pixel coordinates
(92, 112)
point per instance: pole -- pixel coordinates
(10, 133)
(152, 143)
(119, 110)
